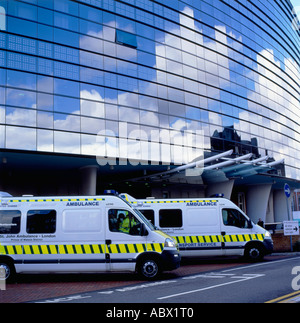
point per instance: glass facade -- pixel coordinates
(160, 81)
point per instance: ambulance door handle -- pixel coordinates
(223, 233)
(108, 242)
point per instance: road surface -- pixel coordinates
(244, 283)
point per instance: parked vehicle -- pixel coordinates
(206, 227)
(80, 234)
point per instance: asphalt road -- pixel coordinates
(245, 283)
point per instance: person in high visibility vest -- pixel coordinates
(127, 223)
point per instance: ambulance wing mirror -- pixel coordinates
(143, 231)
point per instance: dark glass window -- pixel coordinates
(149, 215)
(41, 221)
(234, 218)
(125, 38)
(10, 221)
(123, 221)
(169, 218)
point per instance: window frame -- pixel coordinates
(126, 39)
(171, 213)
(148, 216)
(126, 214)
(41, 223)
(238, 216)
(11, 225)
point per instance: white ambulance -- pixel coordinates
(206, 227)
(80, 234)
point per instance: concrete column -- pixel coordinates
(257, 199)
(88, 183)
(270, 209)
(280, 206)
(220, 188)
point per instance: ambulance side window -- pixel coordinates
(10, 221)
(123, 221)
(41, 221)
(169, 218)
(149, 215)
(232, 217)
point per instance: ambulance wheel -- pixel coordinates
(149, 268)
(8, 271)
(254, 252)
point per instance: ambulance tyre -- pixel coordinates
(254, 252)
(148, 267)
(10, 272)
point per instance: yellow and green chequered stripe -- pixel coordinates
(71, 249)
(219, 238)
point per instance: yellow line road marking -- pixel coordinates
(285, 298)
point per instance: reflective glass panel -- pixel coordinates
(125, 38)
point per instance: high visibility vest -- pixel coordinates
(125, 225)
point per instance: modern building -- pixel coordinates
(296, 201)
(177, 98)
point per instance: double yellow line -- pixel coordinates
(289, 298)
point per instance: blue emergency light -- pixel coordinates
(111, 192)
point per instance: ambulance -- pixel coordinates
(80, 235)
(206, 227)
